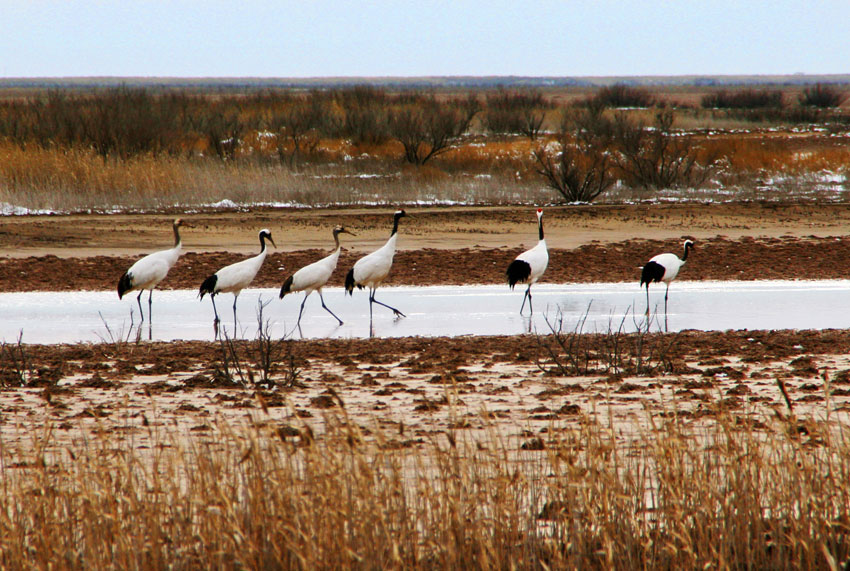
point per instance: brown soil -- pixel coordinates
(438, 245)
(419, 389)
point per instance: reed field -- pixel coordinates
(269, 496)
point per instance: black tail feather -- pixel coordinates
(349, 281)
(518, 271)
(125, 284)
(652, 272)
(208, 286)
(286, 287)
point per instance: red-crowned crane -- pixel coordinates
(663, 268)
(235, 277)
(372, 269)
(530, 265)
(314, 277)
(146, 273)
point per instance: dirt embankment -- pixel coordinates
(438, 245)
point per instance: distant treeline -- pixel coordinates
(435, 82)
(125, 121)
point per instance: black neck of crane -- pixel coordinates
(687, 247)
(540, 226)
(396, 218)
(176, 235)
(262, 242)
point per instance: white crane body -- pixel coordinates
(235, 277)
(372, 269)
(313, 277)
(663, 268)
(147, 272)
(529, 266)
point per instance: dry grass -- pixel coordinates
(78, 180)
(480, 170)
(761, 493)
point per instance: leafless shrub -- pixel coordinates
(511, 112)
(743, 99)
(578, 165)
(297, 130)
(427, 129)
(576, 352)
(259, 361)
(580, 173)
(224, 133)
(657, 158)
(823, 96)
(16, 369)
(621, 96)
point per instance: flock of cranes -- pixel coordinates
(368, 272)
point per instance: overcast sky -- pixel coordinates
(212, 38)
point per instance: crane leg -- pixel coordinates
(235, 297)
(139, 301)
(394, 310)
(323, 305)
(298, 323)
(666, 293)
(215, 312)
(524, 297)
(150, 315)
(371, 300)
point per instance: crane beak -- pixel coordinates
(272, 241)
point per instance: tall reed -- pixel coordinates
(335, 495)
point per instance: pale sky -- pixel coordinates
(213, 38)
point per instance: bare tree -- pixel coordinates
(578, 171)
(224, 134)
(656, 157)
(428, 129)
(578, 164)
(516, 112)
(296, 130)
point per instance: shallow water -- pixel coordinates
(67, 317)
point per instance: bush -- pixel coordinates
(511, 112)
(654, 158)
(117, 122)
(743, 99)
(429, 128)
(822, 96)
(578, 165)
(621, 95)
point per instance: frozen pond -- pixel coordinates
(66, 317)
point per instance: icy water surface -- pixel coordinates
(67, 317)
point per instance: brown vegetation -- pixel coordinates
(144, 148)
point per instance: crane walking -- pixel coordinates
(235, 277)
(371, 270)
(314, 276)
(146, 273)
